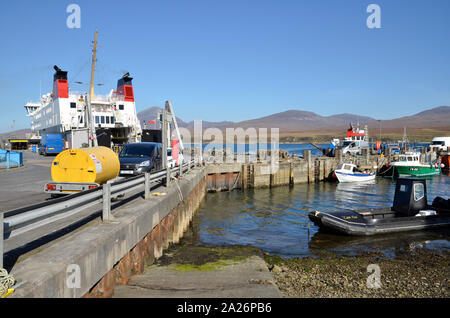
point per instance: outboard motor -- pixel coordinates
(410, 196)
(441, 203)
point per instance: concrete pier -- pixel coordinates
(92, 260)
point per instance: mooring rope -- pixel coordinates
(235, 181)
(6, 281)
(178, 187)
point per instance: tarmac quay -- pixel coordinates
(25, 185)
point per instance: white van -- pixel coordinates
(354, 147)
(440, 143)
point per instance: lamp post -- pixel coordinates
(379, 123)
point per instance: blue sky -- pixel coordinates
(235, 59)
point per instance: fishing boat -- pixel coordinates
(410, 211)
(354, 141)
(409, 165)
(348, 172)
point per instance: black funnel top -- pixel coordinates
(125, 80)
(59, 74)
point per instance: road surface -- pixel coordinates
(25, 185)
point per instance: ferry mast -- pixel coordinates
(91, 125)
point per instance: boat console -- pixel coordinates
(410, 196)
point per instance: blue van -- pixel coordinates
(51, 144)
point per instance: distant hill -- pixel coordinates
(291, 120)
(431, 122)
(297, 120)
(298, 125)
(15, 134)
(432, 118)
(150, 114)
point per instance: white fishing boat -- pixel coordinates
(348, 172)
(353, 143)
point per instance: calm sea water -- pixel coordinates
(291, 148)
(276, 221)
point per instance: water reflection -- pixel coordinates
(275, 220)
(391, 245)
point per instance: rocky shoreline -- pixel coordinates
(422, 273)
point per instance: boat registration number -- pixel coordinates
(126, 171)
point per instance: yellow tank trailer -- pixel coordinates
(86, 165)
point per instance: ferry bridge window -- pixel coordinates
(107, 119)
(112, 120)
(102, 119)
(81, 119)
(73, 105)
(121, 107)
(97, 119)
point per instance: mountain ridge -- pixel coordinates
(300, 120)
(306, 121)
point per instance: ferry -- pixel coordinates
(67, 113)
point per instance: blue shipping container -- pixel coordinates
(10, 159)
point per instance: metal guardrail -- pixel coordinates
(19, 221)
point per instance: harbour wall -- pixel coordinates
(291, 170)
(94, 259)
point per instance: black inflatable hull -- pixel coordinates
(376, 221)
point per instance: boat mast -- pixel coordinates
(91, 124)
(404, 139)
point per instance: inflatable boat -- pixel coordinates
(410, 211)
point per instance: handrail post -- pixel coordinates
(167, 176)
(106, 216)
(180, 164)
(147, 185)
(1, 239)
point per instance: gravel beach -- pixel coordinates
(422, 273)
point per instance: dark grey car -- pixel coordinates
(137, 158)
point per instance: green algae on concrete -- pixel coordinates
(211, 266)
(205, 258)
(190, 271)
